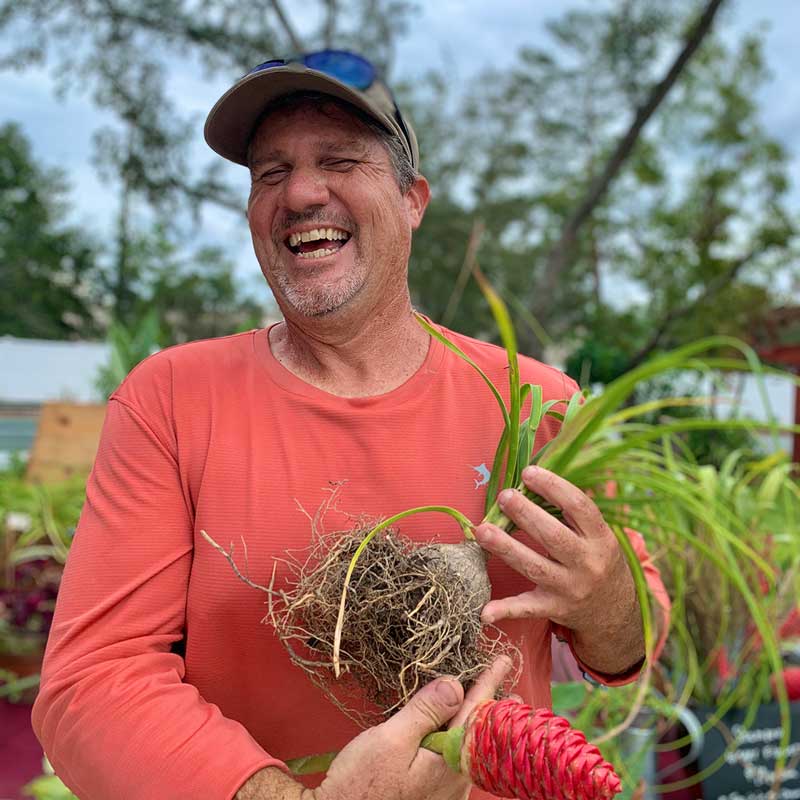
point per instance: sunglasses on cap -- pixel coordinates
(348, 68)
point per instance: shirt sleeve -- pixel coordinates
(662, 614)
(113, 713)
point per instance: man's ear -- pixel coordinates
(417, 198)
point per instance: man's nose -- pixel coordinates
(305, 187)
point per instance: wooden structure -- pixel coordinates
(66, 441)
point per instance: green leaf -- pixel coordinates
(459, 352)
(568, 696)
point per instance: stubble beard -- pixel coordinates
(313, 298)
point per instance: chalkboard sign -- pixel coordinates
(748, 771)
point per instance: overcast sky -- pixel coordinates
(465, 35)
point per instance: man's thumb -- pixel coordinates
(428, 709)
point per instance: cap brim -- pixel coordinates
(231, 121)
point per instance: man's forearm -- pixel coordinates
(271, 783)
(614, 646)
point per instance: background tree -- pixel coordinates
(50, 285)
(191, 291)
(119, 52)
(693, 233)
(57, 283)
(691, 236)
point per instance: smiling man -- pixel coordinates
(158, 681)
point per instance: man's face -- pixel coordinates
(329, 223)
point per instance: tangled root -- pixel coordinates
(412, 615)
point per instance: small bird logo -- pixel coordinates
(484, 473)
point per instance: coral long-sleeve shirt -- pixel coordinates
(218, 436)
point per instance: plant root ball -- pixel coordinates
(412, 615)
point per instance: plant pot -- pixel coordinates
(660, 766)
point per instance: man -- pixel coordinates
(158, 682)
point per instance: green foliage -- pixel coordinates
(48, 786)
(728, 657)
(48, 281)
(52, 512)
(37, 523)
(129, 346)
(175, 296)
(568, 696)
(714, 531)
(608, 348)
(192, 291)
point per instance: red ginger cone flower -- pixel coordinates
(515, 750)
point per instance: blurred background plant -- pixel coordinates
(48, 786)
(720, 578)
(716, 652)
(38, 525)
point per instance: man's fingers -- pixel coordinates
(528, 605)
(547, 533)
(429, 709)
(577, 506)
(535, 566)
(484, 688)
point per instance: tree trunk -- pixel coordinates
(558, 257)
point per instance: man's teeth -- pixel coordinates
(318, 233)
(316, 253)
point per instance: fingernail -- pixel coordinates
(448, 692)
(529, 472)
(505, 497)
(482, 533)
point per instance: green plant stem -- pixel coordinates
(496, 517)
(311, 765)
(446, 743)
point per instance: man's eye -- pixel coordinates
(341, 163)
(273, 175)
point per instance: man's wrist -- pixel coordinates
(614, 650)
(271, 783)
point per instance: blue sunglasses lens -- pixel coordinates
(348, 68)
(275, 62)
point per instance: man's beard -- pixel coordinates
(319, 299)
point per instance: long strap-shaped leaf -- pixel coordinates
(461, 354)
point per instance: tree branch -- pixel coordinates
(330, 22)
(297, 44)
(558, 257)
(213, 37)
(714, 287)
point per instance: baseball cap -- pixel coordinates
(339, 73)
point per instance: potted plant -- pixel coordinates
(713, 716)
(718, 661)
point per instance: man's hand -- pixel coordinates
(387, 762)
(580, 576)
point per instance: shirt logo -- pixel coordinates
(484, 474)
